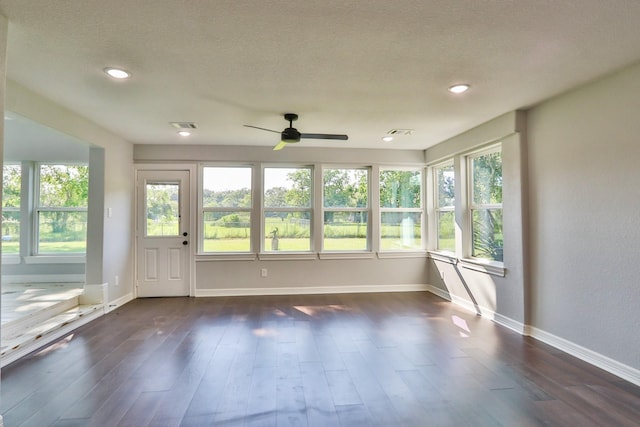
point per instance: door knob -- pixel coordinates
(185, 243)
(185, 234)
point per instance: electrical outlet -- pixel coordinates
(263, 272)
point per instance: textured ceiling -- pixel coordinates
(355, 67)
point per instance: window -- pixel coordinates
(61, 208)
(346, 209)
(287, 209)
(163, 211)
(226, 209)
(400, 210)
(11, 193)
(444, 178)
(485, 203)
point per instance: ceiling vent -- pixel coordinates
(183, 125)
(400, 132)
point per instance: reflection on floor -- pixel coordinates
(36, 313)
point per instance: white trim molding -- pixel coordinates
(614, 367)
(117, 303)
(310, 290)
(621, 370)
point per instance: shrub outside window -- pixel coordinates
(61, 210)
(445, 207)
(401, 210)
(11, 194)
(287, 201)
(486, 204)
(226, 209)
(345, 209)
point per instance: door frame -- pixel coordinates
(193, 177)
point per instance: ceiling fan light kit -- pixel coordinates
(291, 135)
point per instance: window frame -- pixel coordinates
(286, 209)
(473, 206)
(420, 210)
(202, 210)
(438, 209)
(324, 209)
(38, 209)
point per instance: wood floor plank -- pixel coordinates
(408, 359)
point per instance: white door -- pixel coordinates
(162, 232)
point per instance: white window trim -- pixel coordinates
(421, 210)
(200, 253)
(471, 262)
(287, 255)
(371, 172)
(437, 208)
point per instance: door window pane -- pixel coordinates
(163, 213)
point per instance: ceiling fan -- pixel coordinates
(291, 135)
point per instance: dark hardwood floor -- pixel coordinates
(397, 359)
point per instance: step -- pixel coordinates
(35, 313)
(30, 339)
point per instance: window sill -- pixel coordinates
(225, 257)
(55, 259)
(346, 255)
(10, 259)
(490, 267)
(402, 254)
(287, 256)
(447, 257)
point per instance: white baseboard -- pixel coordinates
(117, 303)
(621, 370)
(614, 367)
(309, 290)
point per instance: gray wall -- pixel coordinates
(494, 296)
(584, 175)
(113, 248)
(216, 276)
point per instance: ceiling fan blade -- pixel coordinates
(323, 136)
(280, 146)
(256, 127)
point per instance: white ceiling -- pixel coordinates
(356, 67)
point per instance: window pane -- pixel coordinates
(287, 231)
(487, 234)
(64, 186)
(487, 179)
(227, 187)
(446, 231)
(401, 230)
(344, 231)
(11, 187)
(446, 186)
(345, 188)
(400, 189)
(62, 232)
(227, 231)
(163, 214)
(10, 232)
(287, 187)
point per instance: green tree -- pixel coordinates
(400, 189)
(11, 186)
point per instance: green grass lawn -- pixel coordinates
(48, 247)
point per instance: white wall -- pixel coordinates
(117, 237)
(238, 277)
(584, 177)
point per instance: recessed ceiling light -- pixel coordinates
(459, 88)
(184, 133)
(387, 138)
(117, 73)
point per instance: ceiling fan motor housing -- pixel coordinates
(290, 135)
